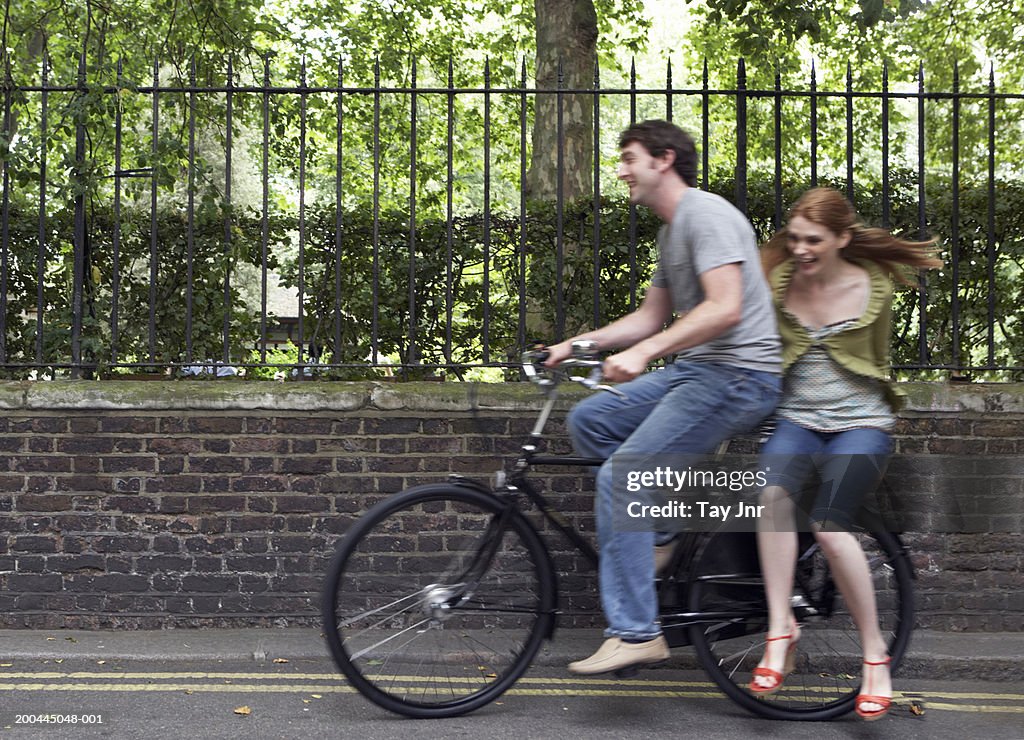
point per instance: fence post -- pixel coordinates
(264, 206)
(41, 238)
(522, 209)
(954, 235)
(922, 220)
(339, 171)
(814, 126)
(413, 353)
(81, 235)
(597, 194)
(885, 146)
(741, 136)
(115, 268)
(154, 184)
(849, 132)
(705, 126)
(228, 215)
(990, 238)
(191, 225)
(301, 285)
(777, 211)
(5, 209)
(632, 206)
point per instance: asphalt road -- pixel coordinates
(306, 698)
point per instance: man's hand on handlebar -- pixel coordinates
(578, 353)
(623, 366)
(558, 353)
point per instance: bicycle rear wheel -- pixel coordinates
(730, 643)
(437, 600)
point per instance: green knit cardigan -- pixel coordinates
(863, 348)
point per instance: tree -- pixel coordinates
(563, 141)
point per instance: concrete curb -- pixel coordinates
(936, 655)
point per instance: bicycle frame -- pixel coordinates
(675, 620)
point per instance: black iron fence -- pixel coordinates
(332, 228)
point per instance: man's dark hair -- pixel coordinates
(658, 137)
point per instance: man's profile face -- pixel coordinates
(640, 171)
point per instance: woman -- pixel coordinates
(831, 281)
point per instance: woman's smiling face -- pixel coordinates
(814, 247)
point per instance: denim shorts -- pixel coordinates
(847, 465)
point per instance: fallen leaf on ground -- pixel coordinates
(101, 662)
(244, 711)
(916, 708)
(280, 660)
(317, 696)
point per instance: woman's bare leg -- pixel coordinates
(776, 547)
(850, 571)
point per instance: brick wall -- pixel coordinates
(146, 505)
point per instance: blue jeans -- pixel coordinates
(849, 465)
(687, 407)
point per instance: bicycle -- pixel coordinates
(438, 598)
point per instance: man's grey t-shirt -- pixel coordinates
(707, 232)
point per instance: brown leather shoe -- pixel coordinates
(615, 655)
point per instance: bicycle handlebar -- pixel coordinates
(584, 355)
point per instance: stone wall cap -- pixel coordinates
(964, 398)
(970, 399)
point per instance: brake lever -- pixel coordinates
(610, 389)
(593, 382)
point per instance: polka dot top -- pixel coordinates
(820, 394)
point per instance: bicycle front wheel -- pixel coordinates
(437, 600)
(730, 640)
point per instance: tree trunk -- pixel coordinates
(566, 35)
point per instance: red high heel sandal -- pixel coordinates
(883, 701)
(775, 676)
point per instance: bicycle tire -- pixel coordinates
(827, 678)
(409, 624)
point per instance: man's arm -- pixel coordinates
(720, 310)
(648, 319)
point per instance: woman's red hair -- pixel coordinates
(830, 208)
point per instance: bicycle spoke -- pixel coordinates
(364, 651)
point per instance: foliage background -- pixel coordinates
(454, 202)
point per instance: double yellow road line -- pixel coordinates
(330, 683)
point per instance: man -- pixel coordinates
(723, 380)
